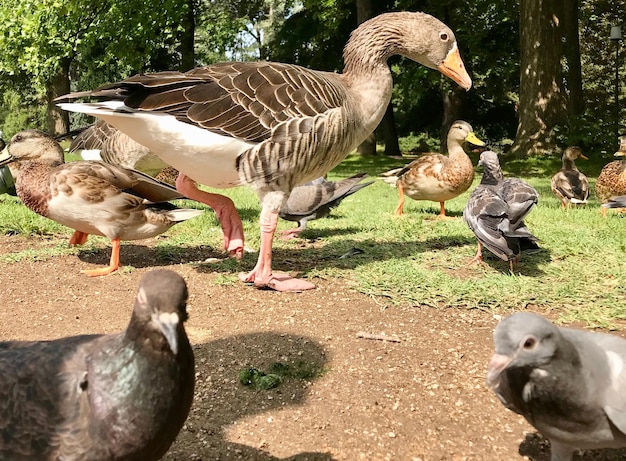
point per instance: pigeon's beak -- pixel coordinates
(497, 364)
(454, 68)
(168, 324)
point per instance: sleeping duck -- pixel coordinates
(570, 185)
(438, 177)
(271, 125)
(612, 179)
(90, 197)
(495, 212)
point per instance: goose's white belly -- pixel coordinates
(205, 157)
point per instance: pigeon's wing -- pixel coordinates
(614, 397)
(484, 213)
(616, 202)
(41, 395)
(520, 197)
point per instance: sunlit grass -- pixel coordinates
(414, 260)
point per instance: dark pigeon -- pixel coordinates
(616, 202)
(495, 212)
(569, 384)
(117, 397)
(315, 199)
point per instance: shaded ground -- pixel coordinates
(422, 398)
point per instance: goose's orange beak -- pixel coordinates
(454, 68)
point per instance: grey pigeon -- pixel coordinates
(616, 202)
(117, 397)
(315, 199)
(495, 212)
(569, 384)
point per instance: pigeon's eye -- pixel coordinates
(443, 36)
(529, 342)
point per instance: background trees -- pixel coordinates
(537, 87)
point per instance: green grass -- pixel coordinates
(415, 260)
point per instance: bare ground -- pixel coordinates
(422, 398)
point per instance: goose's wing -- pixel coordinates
(242, 100)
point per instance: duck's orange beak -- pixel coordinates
(454, 68)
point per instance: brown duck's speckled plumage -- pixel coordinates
(103, 398)
(612, 180)
(569, 184)
(91, 197)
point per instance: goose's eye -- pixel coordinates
(443, 36)
(529, 343)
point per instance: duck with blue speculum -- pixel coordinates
(90, 197)
(271, 125)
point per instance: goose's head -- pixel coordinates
(417, 36)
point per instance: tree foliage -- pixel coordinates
(46, 44)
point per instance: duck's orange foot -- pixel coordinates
(279, 281)
(99, 272)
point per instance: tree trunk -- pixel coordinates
(576, 104)
(390, 134)
(364, 11)
(58, 120)
(542, 102)
(453, 102)
(186, 46)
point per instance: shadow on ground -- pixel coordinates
(220, 399)
(537, 448)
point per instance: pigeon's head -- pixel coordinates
(160, 308)
(522, 340)
(489, 160)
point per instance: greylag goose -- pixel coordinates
(271, 125)
(570, 185)
(495, 212)
(437, 177)
(117, 397)
(90, 197)
(569, 384)
(315, 199)
(611, 181)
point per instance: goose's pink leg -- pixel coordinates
(262, 275)
(224, 210)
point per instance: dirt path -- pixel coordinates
(422, 398)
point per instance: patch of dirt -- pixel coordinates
(422, 398)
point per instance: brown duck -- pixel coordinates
(438, 177)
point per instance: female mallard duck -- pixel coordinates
(90, 197)
(612, 179)
(495, 211)
(437, 177)
(270, 125)
(568, 184)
